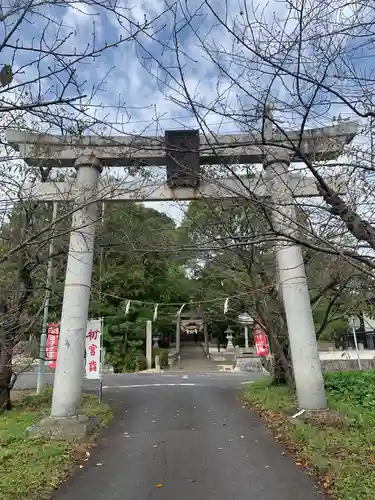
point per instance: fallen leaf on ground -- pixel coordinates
(159, 485)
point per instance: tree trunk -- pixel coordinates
(281, 369)
(6, 350)
(11, 308)
(10, 334)
(272, 315)
(282, 372)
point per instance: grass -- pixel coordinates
(340, 449)
(32, 467)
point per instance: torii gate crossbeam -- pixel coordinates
(320, 144)
(225, 188)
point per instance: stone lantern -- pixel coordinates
(229, 332)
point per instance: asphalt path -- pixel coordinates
(28, 380)
(186, 437)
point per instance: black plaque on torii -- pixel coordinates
(182, 158)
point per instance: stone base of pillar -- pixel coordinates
(64, 428)
(157, 364)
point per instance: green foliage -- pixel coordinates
(33, 402)
(32, 468)
(234, 269)
(137, 275)
(143, 277)
(248, 270)
(134, 361)
(337, 322)
(120, 274)
(356, 388)
(116, 359)
(338, 445)
(127, 357)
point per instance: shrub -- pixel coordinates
(116, 359)
(132, 361)
(352, 387)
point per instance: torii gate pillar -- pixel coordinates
(70, 359)
(293, 285)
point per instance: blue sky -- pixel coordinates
(134, 90)
(136, 82)
(136, 87)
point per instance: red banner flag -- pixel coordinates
(52, 344)
(261, 341)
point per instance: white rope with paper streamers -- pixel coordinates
(155, 317)
(226, 305)
(180, 310)
(193, 302)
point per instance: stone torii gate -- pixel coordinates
(90, 154)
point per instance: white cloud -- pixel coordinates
(132, 90)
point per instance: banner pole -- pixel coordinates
(101, 360)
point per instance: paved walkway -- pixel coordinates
(186, 442)
(194, 359)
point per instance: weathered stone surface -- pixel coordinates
(249, 364)
(343, 365)
(77, 427)
(225, 357)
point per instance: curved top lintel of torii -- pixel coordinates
(322, 143)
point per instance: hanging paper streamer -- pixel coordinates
(180, 311)
(226, 303)
(127, 308)
(103, 208)
(155, 313)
